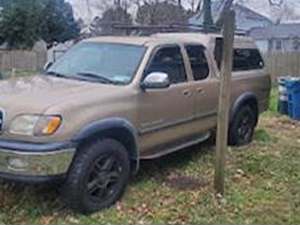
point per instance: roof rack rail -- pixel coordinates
(175, 27)
(215, 28)
(152, 29)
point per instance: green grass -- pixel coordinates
(262, 187)
(274, 100)
(5, 74)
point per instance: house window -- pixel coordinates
(278, 45)
(296, 44)
(270, 45)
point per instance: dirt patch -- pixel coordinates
(185, 183)
(282, 123)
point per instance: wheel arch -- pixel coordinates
(247, 98)
(116, 128)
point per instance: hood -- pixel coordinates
(36, 94)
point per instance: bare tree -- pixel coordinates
(226, 5)
(284, 12)
(113, 12)
(193, 5)
(278, 3)
(161, 13)
(280, 10)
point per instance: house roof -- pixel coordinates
(254, 13)
(282, 31)
(216, 7)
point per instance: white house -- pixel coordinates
(278, 38)
(246, 18)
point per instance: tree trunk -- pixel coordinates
(226, 6)
(179, 3)
(208, 19)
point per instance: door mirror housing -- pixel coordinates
(156, 80)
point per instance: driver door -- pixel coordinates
(164, 115)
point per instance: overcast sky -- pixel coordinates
(262, 6)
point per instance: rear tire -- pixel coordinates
(242, 128)
(98, 176)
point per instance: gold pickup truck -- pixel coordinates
(110, 102)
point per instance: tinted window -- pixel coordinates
(219, 51)
(198, 61)
(247, 59)
(243, 59)
(169, 60)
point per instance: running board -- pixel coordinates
(203, 138)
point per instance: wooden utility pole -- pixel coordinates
(224, 100)
(225, 6)
(208, 21)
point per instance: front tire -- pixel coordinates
(242, 128)
(98, 176)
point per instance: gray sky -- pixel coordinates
(261, 6)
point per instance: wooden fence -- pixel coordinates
(22, 60)
(278, 64)
(283, 64)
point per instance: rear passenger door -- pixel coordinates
(205, 87)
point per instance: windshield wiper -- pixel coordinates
(96, 77)
(53, 73)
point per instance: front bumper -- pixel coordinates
(18, 159)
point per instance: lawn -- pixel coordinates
(262, 187)
(5, 74)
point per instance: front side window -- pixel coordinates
(103, 62)
(169, 60)
(198, 61)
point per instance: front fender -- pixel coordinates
(100, 127)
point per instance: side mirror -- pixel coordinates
(48, 65)
(156, 80)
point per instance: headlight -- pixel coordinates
(35, 125)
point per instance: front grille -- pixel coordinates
(1, 120)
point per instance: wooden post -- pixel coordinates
(224, 100)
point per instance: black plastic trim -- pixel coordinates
(32, 179)
(99, 126)
(35, 147)
(240, 101)
(103, 125)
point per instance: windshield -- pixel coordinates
(99, 62)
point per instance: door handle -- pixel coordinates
(187, 93)
(200, 90)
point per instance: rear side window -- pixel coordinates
(198, 61)
(247, 59)
(219, 52)
(243, 59)
(169, 60)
